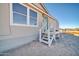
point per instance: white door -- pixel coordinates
(45, 22)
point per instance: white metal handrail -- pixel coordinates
(40, 30)
(48, 31)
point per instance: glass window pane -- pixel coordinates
(33, 14)
(33, 18)
(19, 19)
(33, 21)
(19, 8)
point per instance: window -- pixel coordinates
(33, 17)
(19, 14)
(22, 15)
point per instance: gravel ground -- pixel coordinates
(68, 45)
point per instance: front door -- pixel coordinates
(45, 22)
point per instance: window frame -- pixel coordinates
(27, 17)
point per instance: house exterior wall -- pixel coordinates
(54, 24)
(4, 24)
(12, 36)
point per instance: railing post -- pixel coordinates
(54, 34)
(49, 40)
(40, 35)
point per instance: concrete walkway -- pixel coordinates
(67, 46)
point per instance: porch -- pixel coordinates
(67, 46)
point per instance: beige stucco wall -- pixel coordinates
(4, 18)
(54, 24)
(12, 36)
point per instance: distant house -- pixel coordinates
(21, 23)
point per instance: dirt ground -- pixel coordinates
(68, 45)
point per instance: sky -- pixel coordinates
(66, 14)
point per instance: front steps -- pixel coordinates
(47, 37)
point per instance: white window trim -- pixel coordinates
(28, 16)
(11, 15)
(28, 20)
